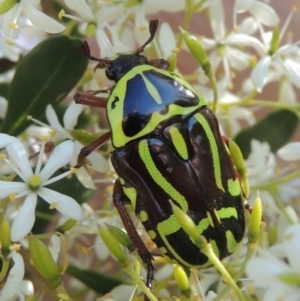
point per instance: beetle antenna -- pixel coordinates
(85, 50)
(152, 29)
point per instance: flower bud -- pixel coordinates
(113, 246)
(197, 51)
(172, 59)
(290, 278)
(43, 261)
(5, 237)
(275, 41)
(255, 221)
(181, 279)
(239, 162)
(83, 136)
(122, 237)
(66, 226)
(185, 222)
(90, 30)
(6, 5)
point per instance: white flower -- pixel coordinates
(96, 18)
(292, 246)
(55, 130)
(59, 132)
(138, 10)
(110, 48)
(261, 163)
(11, 19)
(13, 285)
(262, 12)
(283, 60)
(33, 184)
(55, 246)
(167, 41)
(278, 277)
(6, 51)
(290, 152)
(93, 19)
(226, 49)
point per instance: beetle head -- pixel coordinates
(119, 66)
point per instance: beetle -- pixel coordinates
(167, 146)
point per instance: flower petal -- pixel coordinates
(248, 26)
(55, 124)
(269, 268)
(259, 75)
(242, 5)
(6, 188)
(71, 115)
(293, 71)
(25, 218)
(40, 20)
(290, 152)
(55, 246)
(238, 60)
(166, 39)
(82, 9)
(217, 22)
(5, 140)
(98, 162)
(27, 287)
(17, 153)
(242, 39)
(154, 6)
(14, 279)
(60, 156)
(85, 178)
(292, 245)
(65, 204)
(107, 49)
(264, 13)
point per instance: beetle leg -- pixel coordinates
(119, 201)
(85, 151)
(89, 98)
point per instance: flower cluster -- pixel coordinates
(58, 185)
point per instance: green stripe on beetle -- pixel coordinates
(178, 142)
(157, 176)
(214, 149)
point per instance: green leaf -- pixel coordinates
(44, 76)
(6, 65)
(4, 90)
(276, 129)
(100, 283)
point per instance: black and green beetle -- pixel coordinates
(167, 147)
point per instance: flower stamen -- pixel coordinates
(53, 205)
(12, 196)
(13, 25)
(35, 182)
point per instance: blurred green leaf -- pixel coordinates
(4, 90)
(100, 283)
(6, 65)
(44, 76)
(275, 129)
